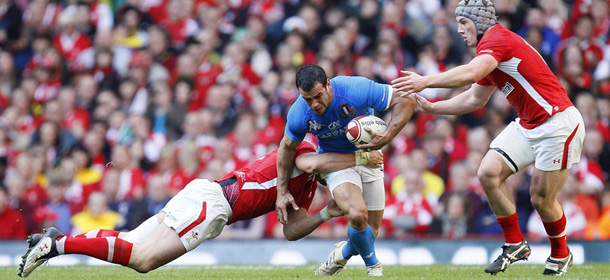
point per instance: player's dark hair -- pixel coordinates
(309, 75)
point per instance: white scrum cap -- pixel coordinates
(481, 12)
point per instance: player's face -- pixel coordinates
(319, 97)
(468, 30)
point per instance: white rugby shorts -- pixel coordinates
(553, 145)
(198, 212)
(368, 179)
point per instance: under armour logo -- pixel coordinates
(556, 161)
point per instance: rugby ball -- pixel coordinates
(355, 132)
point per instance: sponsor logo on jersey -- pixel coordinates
(334, 125)
(507, 88)
(314, 125)
(345, 111)
(333, 133)
(486, 51)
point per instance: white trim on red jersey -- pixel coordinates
(269, 184)
(510, 67)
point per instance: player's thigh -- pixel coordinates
(161, 247)
(558, 142)
(513, 147)
(197, 213)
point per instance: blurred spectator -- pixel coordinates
(583, 38)
(56, 212)
(15, 184)
(547, 39)
(73, 45)
(456, 220)
(8, 77)
(461, 182)
(10, 24)
(410, 212)
(131, 181)
(156, 197)
(88, 177)
(589, 170)
(13, 224)
(434, 185)
(96, 215)
(602, 229)
(128, 31)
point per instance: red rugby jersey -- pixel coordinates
(523, 76)
(258, 181)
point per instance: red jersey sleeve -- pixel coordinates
(494, 45)
(305, 148)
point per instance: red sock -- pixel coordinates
(510, 227)
(110, 249)
(557, 235)
(98, 233)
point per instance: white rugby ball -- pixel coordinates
(355, 132)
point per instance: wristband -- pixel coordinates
(362, 158)
(324, 214)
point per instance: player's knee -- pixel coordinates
(487, 175)
(541, 201)
(146, 266)
(357, 217)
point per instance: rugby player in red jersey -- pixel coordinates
(201, 210)
(549, 130)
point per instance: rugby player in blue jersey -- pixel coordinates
(324, 108)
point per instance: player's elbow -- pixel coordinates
(291, 235)
(309, 166)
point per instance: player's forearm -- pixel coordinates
(285, 162)
(401, 114)
(303, 227)
(457, 77)
(462, 103)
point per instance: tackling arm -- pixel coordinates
(285, 162)
(330, 162)
(299, 225)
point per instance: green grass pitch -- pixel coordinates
(268, 272)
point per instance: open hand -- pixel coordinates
(409, 84)
(283, 201)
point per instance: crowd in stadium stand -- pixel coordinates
(108, 108)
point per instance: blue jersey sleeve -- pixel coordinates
(366, 93)
(295, 123)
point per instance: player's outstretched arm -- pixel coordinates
(285, 162)
(330, 162)
(460, 76)
(465, 102)
(299, 225)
